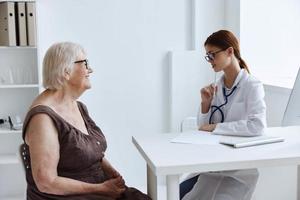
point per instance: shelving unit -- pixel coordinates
(19, 85)
(8, 131)
(19, 0)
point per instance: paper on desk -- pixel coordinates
(197, 137)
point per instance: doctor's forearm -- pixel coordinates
(205, 107)
(240, 128)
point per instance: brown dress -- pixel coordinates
(80, 156)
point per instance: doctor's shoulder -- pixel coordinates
(253, 84)
(253, 81)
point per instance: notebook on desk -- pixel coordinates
(238, 142)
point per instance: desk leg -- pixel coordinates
(298, 183)
(151, 184)
(173, 187)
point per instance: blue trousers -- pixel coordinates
(187, 186)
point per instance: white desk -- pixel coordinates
(172, 159)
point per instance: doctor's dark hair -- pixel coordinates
(225, 39)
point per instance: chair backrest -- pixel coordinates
(188, 123)
(23, 160)
(22, 153)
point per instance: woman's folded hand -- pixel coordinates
(113, 187)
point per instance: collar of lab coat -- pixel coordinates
(241, 76)
(240, 79)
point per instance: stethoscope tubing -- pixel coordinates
(215, 108)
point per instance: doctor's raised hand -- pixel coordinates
(207, 94)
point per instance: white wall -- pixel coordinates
(212, 15)
(270, 40)
(232, 16)
(127, 44)
(209, 16)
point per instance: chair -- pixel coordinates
(24, 163)
(22, 153)
(188, 123)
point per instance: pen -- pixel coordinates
(215, 83)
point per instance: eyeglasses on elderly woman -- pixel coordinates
(86, 63)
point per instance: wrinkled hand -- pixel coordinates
(208, 127)
(112, 173)
(113, 187)
(207, 93)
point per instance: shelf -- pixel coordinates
(20, 83)
(6, 159)
(8, 131)
(17, 47)
(14, 86)
(19, 1)
(14, 197)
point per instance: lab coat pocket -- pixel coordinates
(237, 112)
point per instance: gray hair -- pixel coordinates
(58, 60)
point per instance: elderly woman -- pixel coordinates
(64, 148)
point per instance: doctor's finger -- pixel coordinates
(203, 90)
(206, 92)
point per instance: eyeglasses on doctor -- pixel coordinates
(211, 56)
(86, 63)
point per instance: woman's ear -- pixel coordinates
(230, 51)
(67, 75)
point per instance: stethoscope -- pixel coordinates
(214, 108)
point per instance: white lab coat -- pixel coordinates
(245, 112)
(244, 115)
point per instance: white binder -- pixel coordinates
(238, 142)
(21, 24)
(7, 24)
(31, 24)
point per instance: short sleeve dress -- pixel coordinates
(80, 156)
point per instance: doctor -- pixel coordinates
(234, 106)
